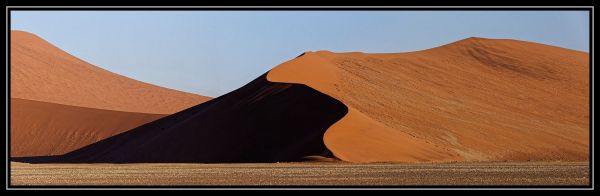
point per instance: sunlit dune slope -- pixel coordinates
(60, 103)
(473, 100)
(42, 72)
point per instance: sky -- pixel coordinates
(214, 52)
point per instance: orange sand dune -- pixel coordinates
(62, 103)
(473, 100)
(259, 122)
(54, 129)
(42, 72)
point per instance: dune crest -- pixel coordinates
(473, 100)
(356, 137)
(42, 72)
(259, 122)
(60, 103)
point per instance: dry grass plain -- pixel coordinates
(303, 173)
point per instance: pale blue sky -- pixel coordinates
(214, 52)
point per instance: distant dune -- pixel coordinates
(60, 103)
(473, 100)
(42, 72)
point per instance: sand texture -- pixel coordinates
(473, 100)
(60, 103)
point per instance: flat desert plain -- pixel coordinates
(304, 173)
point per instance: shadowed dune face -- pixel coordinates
(57, 129)
(260, 122)
(473, 100)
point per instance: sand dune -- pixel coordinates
(60, 103)
(260, 122)
(472, 100)
(54, 129)
(42, 72)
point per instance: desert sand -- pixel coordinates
(318, 175)
(54, 129)
(40, 71)
(473, 100)
(260, 122)
(60, 103)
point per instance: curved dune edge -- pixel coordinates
(260, 122)
(356, 137)
(360, 139)
(472, 100)
(468, 123)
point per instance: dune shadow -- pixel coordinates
(262, 121)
